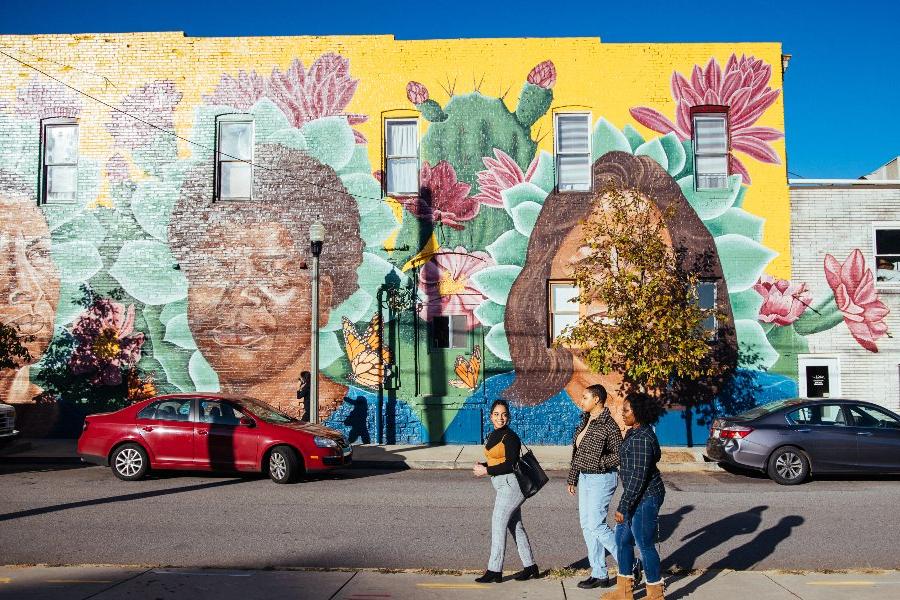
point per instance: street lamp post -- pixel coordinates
(316, 238)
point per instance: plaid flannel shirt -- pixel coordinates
(599, 450)
(638, 456)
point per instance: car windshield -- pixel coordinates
(765, 409)
(265, 412)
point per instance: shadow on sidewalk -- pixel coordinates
(38, 466)
(709, 537)
(746, 556)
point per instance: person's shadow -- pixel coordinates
(358, 420)
(710, 536)
(744, 557)
(668, 524)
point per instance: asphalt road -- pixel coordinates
(423, 519)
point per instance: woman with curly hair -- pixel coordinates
(642, 495)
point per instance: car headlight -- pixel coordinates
(324, 442)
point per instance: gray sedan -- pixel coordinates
(789, 439)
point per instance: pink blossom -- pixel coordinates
(39, 100)
(445, 286)
(442, 198)
(240, 92)
(116, 168)
(742, 87)
(543, 75)
(501, 174)
(323, 91)
(152, 103)
(783, 301)
(854, 293)
(106, 342)
(416, 92)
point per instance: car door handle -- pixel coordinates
(202, 432)
(147, 428)
(865, 433)
(802, 430)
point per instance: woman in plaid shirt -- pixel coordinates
(595, 461)
(642, 495)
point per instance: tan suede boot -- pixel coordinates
(655, 591)
(622, 591)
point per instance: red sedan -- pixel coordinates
(209, 432)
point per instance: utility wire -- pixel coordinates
(65, 66)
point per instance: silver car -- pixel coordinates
(7, 423)
(789, 439)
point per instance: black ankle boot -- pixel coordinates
(490, 577)
(638, 572)
(528, 573)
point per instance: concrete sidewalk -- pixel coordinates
(114, 583)
(552, 458)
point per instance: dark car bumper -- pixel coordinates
(345, 458)
(94, 459)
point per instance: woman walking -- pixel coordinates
(593, 475)
(642, 495)
(502, 451)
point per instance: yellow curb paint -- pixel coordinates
(453, 586)
(5, 579)
(839, 583)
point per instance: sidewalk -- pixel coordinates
(552, 458)
(114, 583)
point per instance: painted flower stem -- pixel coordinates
(821, 317)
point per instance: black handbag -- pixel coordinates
(530, 474)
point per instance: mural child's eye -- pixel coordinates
(38, 253)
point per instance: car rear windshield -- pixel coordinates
(765, 409)
(264, 411)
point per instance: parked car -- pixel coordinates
(789, 439)
(7, 423)
(211, 432)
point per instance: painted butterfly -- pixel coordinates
(468, 370)
(367, 368)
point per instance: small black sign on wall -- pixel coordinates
(817, 381)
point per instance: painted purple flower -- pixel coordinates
(501, 174)
(241, 92)
(107, 342)
(854, 293)
(116, 169)
(742, 87)
(783, 301)
(416, 92)
(39, 100)
(543, 75)
(445, 286)
(442, 198)
(323, 91)
(151, 103)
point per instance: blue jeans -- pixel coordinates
(640, 527)
(594, 494)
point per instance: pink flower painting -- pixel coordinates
(41, 100)
(442, 198)
(241, 92)
(107, 342)
(445, 286)
(543, 75)
(742, 86)
(502, 173)
(853, 285)
(151, 103)
(783, 301)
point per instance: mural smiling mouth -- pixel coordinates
(238, 336)
(29, 324)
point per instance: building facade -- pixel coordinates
(158, 190)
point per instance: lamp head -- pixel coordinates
(316, 236)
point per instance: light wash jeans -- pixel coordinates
(507, 515)
(594, 494)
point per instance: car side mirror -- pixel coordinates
(247, 422)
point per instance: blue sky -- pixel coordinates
(840, 90)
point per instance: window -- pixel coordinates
(219, 413)
(710, 151)
(402, 156)
(573, 152)
(60, 160)
(564, 307)
(706, 300)
(235, 153)
(449, 331)
(823, 414)
(869, 416)
(167, 410)
(887, 255)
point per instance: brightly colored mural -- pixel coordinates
(148, 282)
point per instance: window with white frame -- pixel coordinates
(60, 172)
(401, 156)
(234, 169)
(449, 331)
(564, 309)
(573, 152)
(706, 300)
(887, 255)
(710, 151)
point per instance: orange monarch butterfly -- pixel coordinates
(367, 368)
(468, 370)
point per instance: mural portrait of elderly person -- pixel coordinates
(249, 288)
(29, 283)
(542, 369)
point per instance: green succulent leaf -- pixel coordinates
(746, 304)
(544, 175)
(607, 138)
(173, 309)
(147, 271)
(290, 137)
(755, 350)
(330, 349)
(330, 140)
(202, 374)
(674, 153)
(495, 282)
(739, 221)
(522, 192)
(709, 204)
(267, 119)
(490, 313)
(789, 344)
(655, 150)
(359, 162)
(525, 216)
(509, 248)
(635, 139)
(85, 226)
(179, 333)
(77, 261)
(743, 260)
(356, 307)
(496, 342)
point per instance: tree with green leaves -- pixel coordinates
(13, 353)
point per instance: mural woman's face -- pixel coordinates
(29, 281)
(250, 308)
